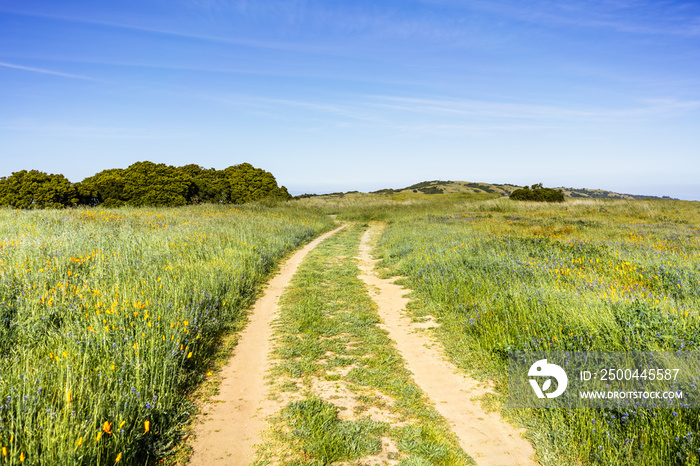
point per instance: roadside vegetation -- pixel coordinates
(109, 318)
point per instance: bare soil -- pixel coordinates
(485, 436)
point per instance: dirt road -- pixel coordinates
(235, 418)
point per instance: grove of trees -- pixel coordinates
(537, 193)
(141, 184)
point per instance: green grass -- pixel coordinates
(328, 340)
(386, 207)
(110, 318)
(585, 275)
(322, 436)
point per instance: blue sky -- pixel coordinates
(341, 95)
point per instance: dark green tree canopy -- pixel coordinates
(36, 190)
(142, 184)
(150, 184)
(537, 193)
(247, 183)
(106, 188)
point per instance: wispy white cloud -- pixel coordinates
(650, 108)
(347, 28)
(449, 116)
(277, 69)
(44, 71)
(634, 17)
(368, 111)
(84, 131)
(277, 45)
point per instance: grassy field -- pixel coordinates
(583, 275)
(108, 319)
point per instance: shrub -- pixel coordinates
(537, 193)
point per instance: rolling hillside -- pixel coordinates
(446, 187)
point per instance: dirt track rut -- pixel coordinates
(484, 436)
(236, 416)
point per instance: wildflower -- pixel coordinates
(99, 436)
(4, 451)
(189, 355)
(79, 442)
(107, 427)
(146, 426)
(119, 457)
(21, 457)
(69, 398)
(121, 424)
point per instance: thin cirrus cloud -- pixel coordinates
(373, 26)
(396, 112)
(81, 131)
(277, 69)
(638, 17)
(410, 117)
(186, 35)
(45, 71)
(653, 108)
(635, 17)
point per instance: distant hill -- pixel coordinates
(447, 187)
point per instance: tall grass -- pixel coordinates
(584, 275)
(108, 318)
(370, 207)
